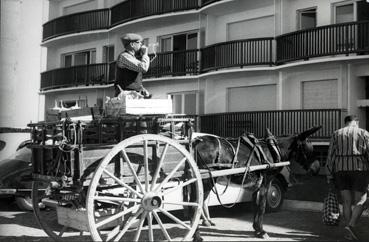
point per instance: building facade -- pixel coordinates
(215, 56)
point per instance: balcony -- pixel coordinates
(280, 122)
(237, 53)
(134, 9)
(336, 39)
(75, 23)
(172, 63)
(83, 75)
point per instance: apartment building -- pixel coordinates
(303, 61)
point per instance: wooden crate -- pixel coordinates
(116, 108)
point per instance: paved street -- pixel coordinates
(231, 225)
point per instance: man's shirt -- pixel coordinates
(129, 61)
(348, 150)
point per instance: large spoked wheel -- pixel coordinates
(44, 209)
(140, 200)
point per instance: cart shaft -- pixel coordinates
(205, 173)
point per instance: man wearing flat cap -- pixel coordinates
(131, 64)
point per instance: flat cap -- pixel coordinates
(131, 37)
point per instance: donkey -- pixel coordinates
(212, 152)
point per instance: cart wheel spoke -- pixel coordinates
(113, 233)
(116, 216)
(128, 225)
(139, 229)
(119, 199)
(174, 218)
(150, 230)
(157, 171)
(146, 165)
(180, 186)
(182, 203)
(170, 175)
(120, 182)
(126, 158)
(165, 232)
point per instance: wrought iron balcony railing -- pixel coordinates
(76, 76)
(280, 122)
(237, 53)
(134, 9)
(326, 40)
(77, 22)
(175, 63)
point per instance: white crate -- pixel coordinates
(125, 105)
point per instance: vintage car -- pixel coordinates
(15, 176)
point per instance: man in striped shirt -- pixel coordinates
(347, 169)
(131, 64)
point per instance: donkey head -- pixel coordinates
(301, 151)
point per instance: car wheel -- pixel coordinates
(24, 203)
(275, 196)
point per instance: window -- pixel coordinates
(79, 58)
(251, 28)
(108, 54)
(166, 44)
(186, 103)
(184, 41)
(70, 104)
(319, 94)
(344, 13)
(306, 18)
(80, 7)
(251, 98)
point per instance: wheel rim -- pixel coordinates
(274, 195)
(154, 169)
(46, 215)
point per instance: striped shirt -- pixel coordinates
(348, 150)
(128, 60)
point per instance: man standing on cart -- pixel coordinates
(131, 64)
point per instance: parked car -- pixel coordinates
(15, 177)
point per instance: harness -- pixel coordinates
(255, 147)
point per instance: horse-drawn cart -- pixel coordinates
(121, 178)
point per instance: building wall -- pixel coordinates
(21, 58)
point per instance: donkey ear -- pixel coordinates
(267, 132)
(308, 132)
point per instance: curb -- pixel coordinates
(310, 206)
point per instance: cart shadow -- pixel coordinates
(243, 235)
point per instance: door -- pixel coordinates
(363, 29)
(179, 55)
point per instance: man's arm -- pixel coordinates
(329, 164)
(126, 60)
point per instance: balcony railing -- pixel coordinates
(207, 2)
(327, 40)
(75, 76)
(237, 53)
(78, 22)
(280, 123)
(133, 9)
(174, 63)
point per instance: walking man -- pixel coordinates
(347, 170)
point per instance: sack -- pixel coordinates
(331, 211)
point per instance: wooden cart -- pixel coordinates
(124, 178)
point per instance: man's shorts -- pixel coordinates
(352, 180)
